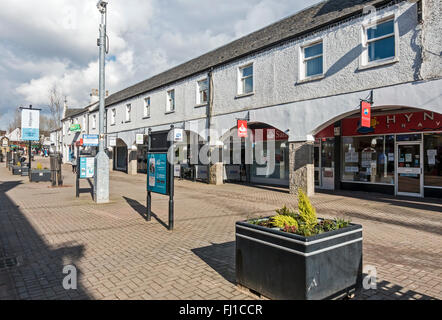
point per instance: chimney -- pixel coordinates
(94, 96)
(65, 106)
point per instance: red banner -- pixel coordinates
(242, 128)
(420, 121)
(365, 114)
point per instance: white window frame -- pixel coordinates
(128, 116)
(113, 116)
(84, 123)
(241, 80)
(169, 107)
(364, 63)
(302, 66)
(146, 110)
(94, 121)
(199, 101)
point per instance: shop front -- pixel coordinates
(267, 166)
(399, 154)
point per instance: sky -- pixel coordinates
(49, 42)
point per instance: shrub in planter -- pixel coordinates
(39, 174)
(295, 255)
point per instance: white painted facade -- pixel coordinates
(284, 100)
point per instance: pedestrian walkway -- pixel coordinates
(119, 255)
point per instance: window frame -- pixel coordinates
(169, 108)
(113, 118)
(303, 61)
(364, 58)
(199, 101)
(128, 113)
(241, 80)
(94, 121)
(146, 108)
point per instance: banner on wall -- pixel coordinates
(30, 125)
(242, 128)
(365, 114)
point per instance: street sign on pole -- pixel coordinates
(30, 124)
(90, 140)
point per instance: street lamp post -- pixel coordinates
(102, 160)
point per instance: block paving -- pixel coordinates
(120, 255)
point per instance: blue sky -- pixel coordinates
(49, 42)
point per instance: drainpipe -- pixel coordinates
(209, 119)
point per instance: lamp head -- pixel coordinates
(101, 5)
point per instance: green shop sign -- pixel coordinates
(75, 128)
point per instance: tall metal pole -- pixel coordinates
(102, 160)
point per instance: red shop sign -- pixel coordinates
(395, 123)
(365, 114)
(242, 128)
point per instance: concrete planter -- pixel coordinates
(25, 171)
(40, 175)
(16, 170)
(285, 266)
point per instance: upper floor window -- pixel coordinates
(94, 121)
(84, 123)
(128, 112)
(113, 116)
(313, 62)
(170, 107)
(146, 111)
(379, 42)
(246, 79)
(203, 92)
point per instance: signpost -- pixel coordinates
(30, 128)
(160, 171)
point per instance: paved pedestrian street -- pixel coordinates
(119, 255)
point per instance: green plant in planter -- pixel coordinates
(39, 166)
(287, 212)
(307, 214)
(281, 221)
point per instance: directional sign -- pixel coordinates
(242, 128)
(90, 140)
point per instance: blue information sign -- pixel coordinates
(158, 180)
(87, 167)
(90, 140)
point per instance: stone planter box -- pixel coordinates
(285, 266)
(16, 170)
(40, 175)
(25, 171)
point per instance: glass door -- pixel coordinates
(409, 169)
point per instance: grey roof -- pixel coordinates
(73, 112)
(299, 24)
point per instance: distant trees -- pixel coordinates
(55, 106)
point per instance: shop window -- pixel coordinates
(433, 159)
(368, 159)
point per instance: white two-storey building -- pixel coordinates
(304, 77)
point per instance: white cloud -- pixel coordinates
(54, 41)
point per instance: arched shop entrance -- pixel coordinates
(400, 154)
(120, 156)
(240, 170)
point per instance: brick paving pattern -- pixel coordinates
(119, 255)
